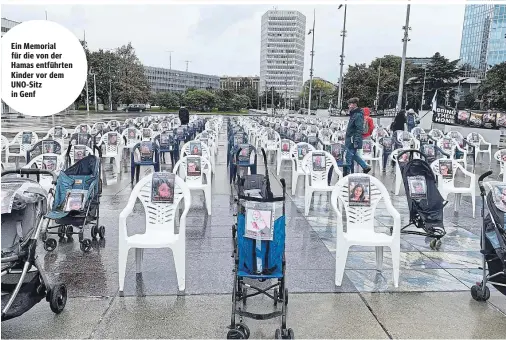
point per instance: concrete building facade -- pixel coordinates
(165, 80)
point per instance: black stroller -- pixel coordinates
(493, 240)
(24, 281)
(424, 200)
(259, 254)
(76, 204)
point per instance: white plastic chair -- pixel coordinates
(284, 153)
(160, 223)
(450, 146)
(206, 152)
(372, 152)
(500, 156)
(4, 146)
(81, 127)
(88, 151)
(196, 182)
(46, 181)
(23, 147)
(360, 226)
(447, 186)
(398, 174)
(297, 164)
(112, 151)
(477, 143)
(61, 140)
(317, 181)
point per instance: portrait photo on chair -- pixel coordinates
(196, 148)
(79, 152)
(318, 161)
(259, 224)
(359, 191)
(113, 139)
(446, 168)
(162, 187)
(193, 167)
(47, 147)
(49, 162)
(74, 200)
(58, 132)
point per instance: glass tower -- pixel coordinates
(483, 38)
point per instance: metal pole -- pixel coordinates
(266, 95)
(403, 63)
(272, 98)
(110, 89)
(340, 93)
(95, 90)
(311, 69)
(423, 89)
(378, 87)
(87, 91)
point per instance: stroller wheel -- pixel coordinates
(277, 334)
(69, 231)
(101, 231)
(86, 245)
(94, 232)
(235, 334)
(61, 231)
(58, 298)
(244, 329)
(480, 293)
(435, 244)
(289, 334)
(50, 244)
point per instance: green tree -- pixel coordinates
(168, 100)
(133, 85)
(493, 88)
(239, 101)
(199, 99)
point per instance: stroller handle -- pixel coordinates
(32, 172)
(481, 178)
(411, 151)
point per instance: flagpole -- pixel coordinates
(311, 69)
(403, 63)
(87, 94)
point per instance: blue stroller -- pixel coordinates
(76, 204)
(259, 253)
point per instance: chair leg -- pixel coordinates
(308, 195)
(379, 258)
(396, 262)
(278, 166)
(341, 257)
(122, 264)
(180, 263)
(208, 198)
(295, 177)
(473, 200)
(139, 256)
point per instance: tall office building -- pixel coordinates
(483, 38)
(165, 80)
(282, 52)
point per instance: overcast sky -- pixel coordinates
(225, 39)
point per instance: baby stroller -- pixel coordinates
(76, 204)
(24, 281)
(260, 253)
(424, 200)
(493, 240)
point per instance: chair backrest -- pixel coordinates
(194, 147)
(42, 147)
(436, 133)
(112, 143)
(317, 164)
(77, 152)
(360, 195)
(162, 216)
(4, 143)
(114, 125)
(48, 161)
(285, 148)
(147, 133)
(132, 136)
(368, 148)
(145, 153)
(500, 156)
(82, 128)
(445, 169)
(26, 140)
(474, 138)
(192, 168)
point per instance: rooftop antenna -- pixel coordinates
(187, 61)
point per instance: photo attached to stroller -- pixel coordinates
(493, 239)
(259, 254)
(76, 204)
(24, 281)
(425, 203)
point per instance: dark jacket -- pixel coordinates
(184, 116)
(399, 121)
(355, 129)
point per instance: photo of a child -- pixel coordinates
(259, 224)
(417, 187)
(162, 187)
(359, 190)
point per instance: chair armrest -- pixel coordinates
(396, 231)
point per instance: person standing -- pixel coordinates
(398, 125)
(353, 138)
(184, 115)
(411, 119)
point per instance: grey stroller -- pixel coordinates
(24, 282)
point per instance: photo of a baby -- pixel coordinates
(259, 224)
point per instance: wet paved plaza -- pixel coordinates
(433, 299)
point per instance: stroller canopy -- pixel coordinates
(17, 193)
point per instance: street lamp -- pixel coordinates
(343, 34)
(95, 89)
(423, 88)
(403, 63)
(311, 31)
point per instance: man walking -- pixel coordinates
(353, 138)
(184, 115)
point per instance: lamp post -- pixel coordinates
(403, 63)
(423, 88)
(94, 89)
(311, 31)
(343, 34)
(378, 88)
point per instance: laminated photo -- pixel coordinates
(423, 138)
(489, 120)
(196, 148)
(164, 139)
(417, 187)
(476, 119)
(74, 200)
(26, 138)
(501, 119)
(47, 147)
(162, 187)
(49, 162)
(79, 152)
(193, 166)
(367, 146)
(146, 133)
(447, 143)
(244, 154)
(112, 139)
(83, 128)
(359, 191)
(302, 151)
(146, 151)
(180, 133)
(58, 132)
(446, 168)
(318, 160)
(503, 155)
(297, 137)
(131, 135)
(113, 124)
(463, 117)
(387, 143)
(475, 138)
(238, 139)
(82, 138)
(285, 145)
(403, 158)
(259, 224)
(429, 151)
(336, 150)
